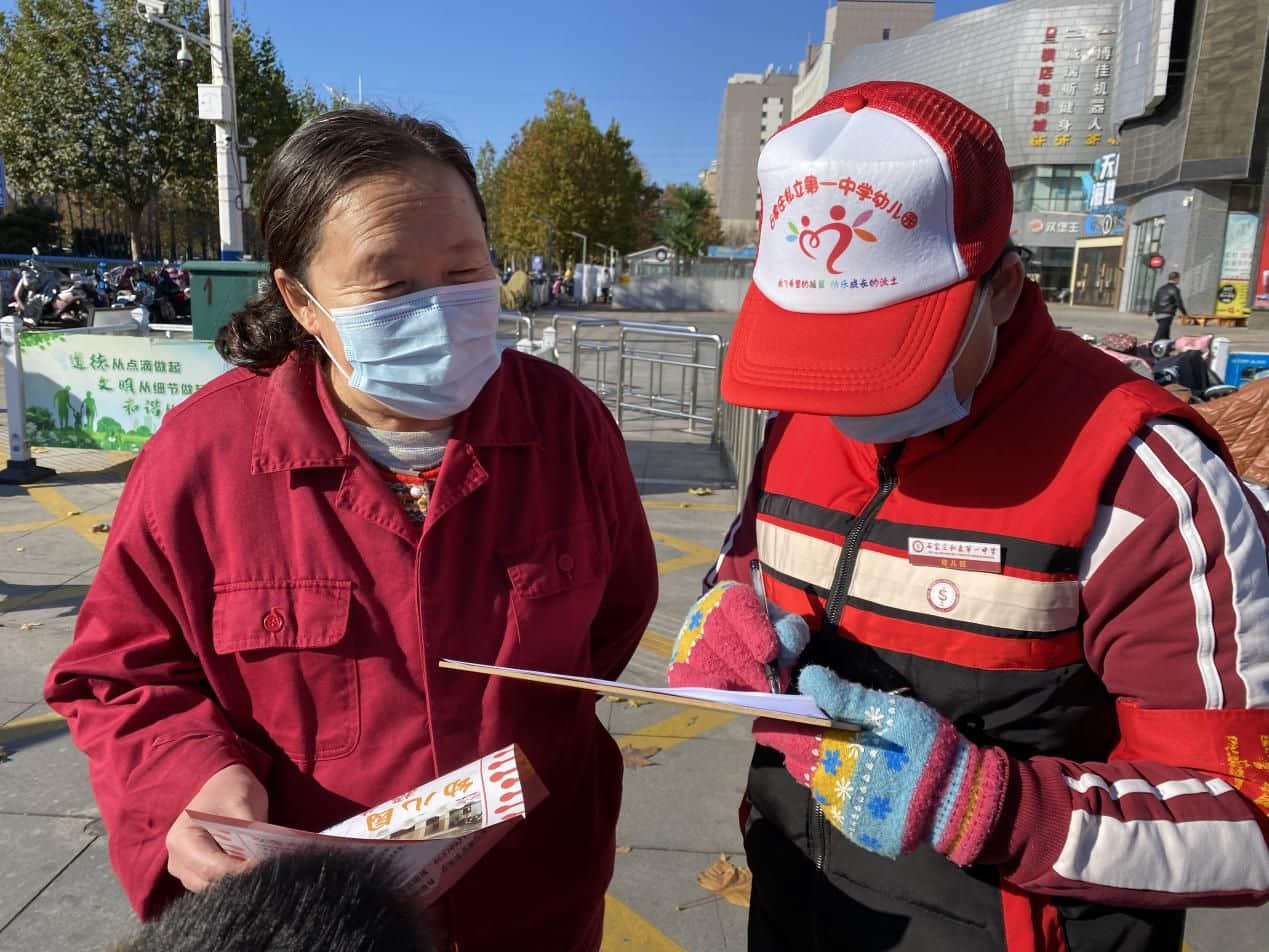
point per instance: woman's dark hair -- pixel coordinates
(293, 902)
(321, 161)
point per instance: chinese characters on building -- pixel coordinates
(1072, 88)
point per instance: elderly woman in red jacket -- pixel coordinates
(375, 489)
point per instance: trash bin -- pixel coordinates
(217, 289)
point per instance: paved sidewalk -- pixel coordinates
(56, 888)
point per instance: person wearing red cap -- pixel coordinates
(1030, 576)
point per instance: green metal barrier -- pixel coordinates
(218, 288)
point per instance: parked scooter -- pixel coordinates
(44, 300)
(171, 294)
(121, 284)
(1184, 363)
(95, 285)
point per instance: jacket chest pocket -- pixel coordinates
(291, 671)
(557, 584)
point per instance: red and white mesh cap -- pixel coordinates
(881, 207)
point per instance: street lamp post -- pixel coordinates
(578, 234)
(217, 103)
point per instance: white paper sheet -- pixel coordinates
(755, 703)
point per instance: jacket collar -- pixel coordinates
(1022, 342)
(299, 426)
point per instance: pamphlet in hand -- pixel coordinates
(427, 838)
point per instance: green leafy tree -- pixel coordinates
(128, 135)
(560, 168)
(269, 110)
(689, 223)
(52, 51)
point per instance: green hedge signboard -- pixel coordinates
(107, 392)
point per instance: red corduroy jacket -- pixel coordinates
(253, 504)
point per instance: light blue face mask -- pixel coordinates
(941, 408)
(424, 355)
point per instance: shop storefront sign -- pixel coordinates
(1262, 274)
(1240, 242)
(1102, 224)
(1043, 224)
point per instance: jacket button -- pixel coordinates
(565, 562)
(274, 621)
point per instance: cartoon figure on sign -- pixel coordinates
(809, 240)
(90, 410)
(62, 399)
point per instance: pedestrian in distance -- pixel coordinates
(376, 487)
(1034, 582)
(1167, 301)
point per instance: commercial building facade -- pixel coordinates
(1043, 73)
(1193, 108)
(755, 105)
(848, 24)
(1136, 131)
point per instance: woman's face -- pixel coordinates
(388, 236)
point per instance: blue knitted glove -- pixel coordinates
(908, 776)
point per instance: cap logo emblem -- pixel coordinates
(863, 191)
(810, 242)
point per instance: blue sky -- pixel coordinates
(483, 68)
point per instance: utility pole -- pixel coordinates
(228, 167)
(578, 234)
(217, 103)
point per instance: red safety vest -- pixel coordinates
(950, 565)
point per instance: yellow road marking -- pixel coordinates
(693, 554)
(625, 929)
(69, 514)
(677, 728)
(659, 645)
(28, 726)
(30, 526)
(40, 599)
(705, 506)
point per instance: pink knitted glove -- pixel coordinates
(728, 642)
(908, 776)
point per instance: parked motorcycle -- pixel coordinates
(121, 281)
(171, 294)
(94, 282)
(44, 299)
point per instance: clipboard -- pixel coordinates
(793, 708)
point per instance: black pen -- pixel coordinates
(755, 572)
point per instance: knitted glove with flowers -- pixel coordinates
(908, 776)
(727, 642)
